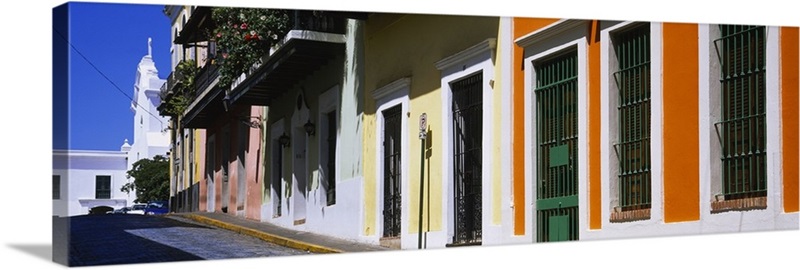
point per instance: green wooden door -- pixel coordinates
(559, 228)
(557, 147)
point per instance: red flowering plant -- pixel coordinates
(243, 36)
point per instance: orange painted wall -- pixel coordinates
(595, 192)
(789, 109)
(521, 27)
(681, 123)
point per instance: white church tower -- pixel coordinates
(150, 137)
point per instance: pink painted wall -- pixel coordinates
(253, 168)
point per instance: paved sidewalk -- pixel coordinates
(311, 242)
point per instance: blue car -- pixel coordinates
(157, 208)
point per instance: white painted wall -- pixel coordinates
(505, 234)
(344, 218)
(78, 169)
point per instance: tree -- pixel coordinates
(151, 179)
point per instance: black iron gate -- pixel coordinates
(392, 168)
(467, 171)
(557, 148)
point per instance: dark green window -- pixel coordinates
(102, 187)
(632, 48)
(56, 187)
(742, 128)
(557, 147)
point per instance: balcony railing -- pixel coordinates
(320, 22)
(288, 63)
(205, 77)
(174, 79)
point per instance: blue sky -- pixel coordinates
(113, 37)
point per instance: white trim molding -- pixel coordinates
(386, 97)
(548, 32)
(459, 58)
(402, 83)
(609, 163)
(559, 37)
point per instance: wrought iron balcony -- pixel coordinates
(314, 39)
(205, 100)
(205, 77)
(174, 80)
(194, 29)
(328, 22)
(167, 91)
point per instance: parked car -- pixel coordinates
(123, 210)
(157, 208)
(137, 209)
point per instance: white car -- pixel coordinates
(123, 210)
(137, 209)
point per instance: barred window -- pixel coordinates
(56, 187)
(632, 48)
(102, 187)
(742, 129)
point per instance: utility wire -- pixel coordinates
(106, 77)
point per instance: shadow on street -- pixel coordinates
(105, 240)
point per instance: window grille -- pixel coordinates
(467, 142)
(632, 48)
(392, 171)
(102, 187)
(742, 129)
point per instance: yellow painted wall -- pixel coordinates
(398, 46)
(497, 131)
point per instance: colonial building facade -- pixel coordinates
(638, 129)
(84, 180)
(533, 130)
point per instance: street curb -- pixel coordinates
(275, 239)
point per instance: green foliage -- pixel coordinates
(151, 179)
(186, 71)
(243, 36)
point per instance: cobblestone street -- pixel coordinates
(122, 239)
